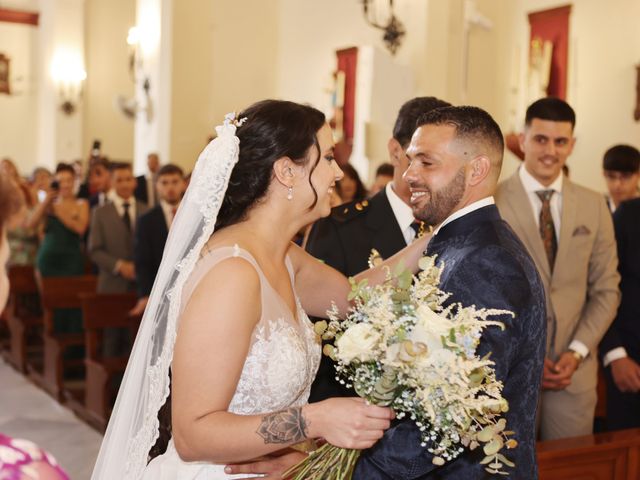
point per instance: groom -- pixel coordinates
(456, 155)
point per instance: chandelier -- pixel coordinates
(393, 30)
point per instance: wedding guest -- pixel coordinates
(99, 182)
(146, 184)
(621, 170)
(620, 347)
(350, 188)
(569, 233)
(40, 180)
(64, 219)
(153, 228)
(346, 239)
(23, 240)
(19, 459)
(111, 246)
(384, 174)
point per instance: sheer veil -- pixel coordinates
(133, 427)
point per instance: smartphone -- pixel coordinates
(55, 185)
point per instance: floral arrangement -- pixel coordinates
(400, 347)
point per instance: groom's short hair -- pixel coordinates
(474, 126)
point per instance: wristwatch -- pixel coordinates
(577, 356)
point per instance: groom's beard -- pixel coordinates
(442, 202)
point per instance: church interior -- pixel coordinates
(118, 80)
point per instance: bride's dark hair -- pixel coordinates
(273, 129)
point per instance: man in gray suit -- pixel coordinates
(111, 245)
(569, 233)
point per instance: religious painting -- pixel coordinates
(4, 74)
(548, 53)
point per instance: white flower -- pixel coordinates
(430, 328)
(358, 342)
(11, 456)
(26, 446)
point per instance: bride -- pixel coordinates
(228, 312)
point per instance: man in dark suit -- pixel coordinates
(621, 170)
(456, 156)
(152, 231)
(620, 346)
(383, 223)
(146, 184)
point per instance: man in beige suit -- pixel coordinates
(569, 233)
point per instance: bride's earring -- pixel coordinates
(290, 193)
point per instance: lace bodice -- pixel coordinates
(284, 354)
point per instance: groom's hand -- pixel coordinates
(271, 467)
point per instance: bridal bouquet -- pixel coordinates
(400, 347)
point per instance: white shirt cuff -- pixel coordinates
(615, 354)
(578, 346)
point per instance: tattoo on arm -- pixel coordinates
(287, 426)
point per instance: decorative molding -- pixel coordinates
(18, 16)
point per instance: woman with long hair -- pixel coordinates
(228, 312)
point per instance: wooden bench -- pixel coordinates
(100, 311)
(603, 456)
(21, 320)
(60, 293)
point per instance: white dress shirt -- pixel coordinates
(402, 212)
(167, 210)
(118, 202)
(531, 186)
(472, 207)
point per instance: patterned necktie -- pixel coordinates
(126, 217)
(546, 226)
(418, 227)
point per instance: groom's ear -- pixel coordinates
(478, 170)
(283, 170)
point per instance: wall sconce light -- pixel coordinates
(393, 30)
(135, 60)
(68, 74)
(130, 107)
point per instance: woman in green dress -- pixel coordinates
(65, 219)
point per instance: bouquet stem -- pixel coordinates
(326, 463)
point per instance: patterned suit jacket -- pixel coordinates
(582, 291)
(486, 265)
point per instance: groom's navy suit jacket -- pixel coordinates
(486, 265)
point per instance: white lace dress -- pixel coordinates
(277, 374)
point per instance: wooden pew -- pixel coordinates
(60, 293)
(100, 311)
(603, 456)
(21, 322)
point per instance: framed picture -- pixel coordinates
(4, 74)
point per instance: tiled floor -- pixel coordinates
(27, 412)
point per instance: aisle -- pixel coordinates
(27, 412)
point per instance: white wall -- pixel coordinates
(603, 52)
(107, 57)
(18, 111)
(310, 32)
(225, 58)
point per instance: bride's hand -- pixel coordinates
(347, 422)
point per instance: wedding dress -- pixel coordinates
(277, 373)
